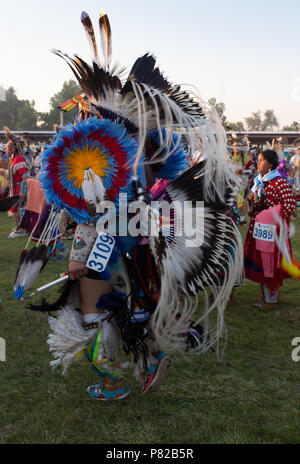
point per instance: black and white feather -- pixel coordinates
(197, 248)
(30, 265)
(90, 34)
(105, 37)
(32, 261)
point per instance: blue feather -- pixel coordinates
(78, 135)
(176, 163)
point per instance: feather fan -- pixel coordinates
(30, 265)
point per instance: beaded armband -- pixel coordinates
(84, 238)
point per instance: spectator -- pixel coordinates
(15, 174)
(262, 257)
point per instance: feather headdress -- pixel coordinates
(14, 139)
(147, 102)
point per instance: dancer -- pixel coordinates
(271, 196)
(135, 272)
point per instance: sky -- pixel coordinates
(245, 53)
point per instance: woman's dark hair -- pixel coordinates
(272, 158)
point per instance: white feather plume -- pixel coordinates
(68, 337)
(92, 187)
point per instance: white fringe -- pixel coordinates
(176, 309)
(68, 338)
(282, 239)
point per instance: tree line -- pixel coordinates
(21, 114)
(256, 122)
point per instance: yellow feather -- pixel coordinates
(80, 159)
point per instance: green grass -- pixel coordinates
(252, 396)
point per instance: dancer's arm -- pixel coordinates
(84, 238)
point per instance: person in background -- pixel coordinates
(36, 214)
(295, 162)
(262, 258)
(29, 161)
(4, 187)
(17, 172)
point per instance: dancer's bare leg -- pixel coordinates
(90, 292)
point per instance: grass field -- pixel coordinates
(252, 396)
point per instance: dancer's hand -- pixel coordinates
(76, 270)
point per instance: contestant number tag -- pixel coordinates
(101, 252)
(264, 232)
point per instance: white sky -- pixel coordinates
(245, 53)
